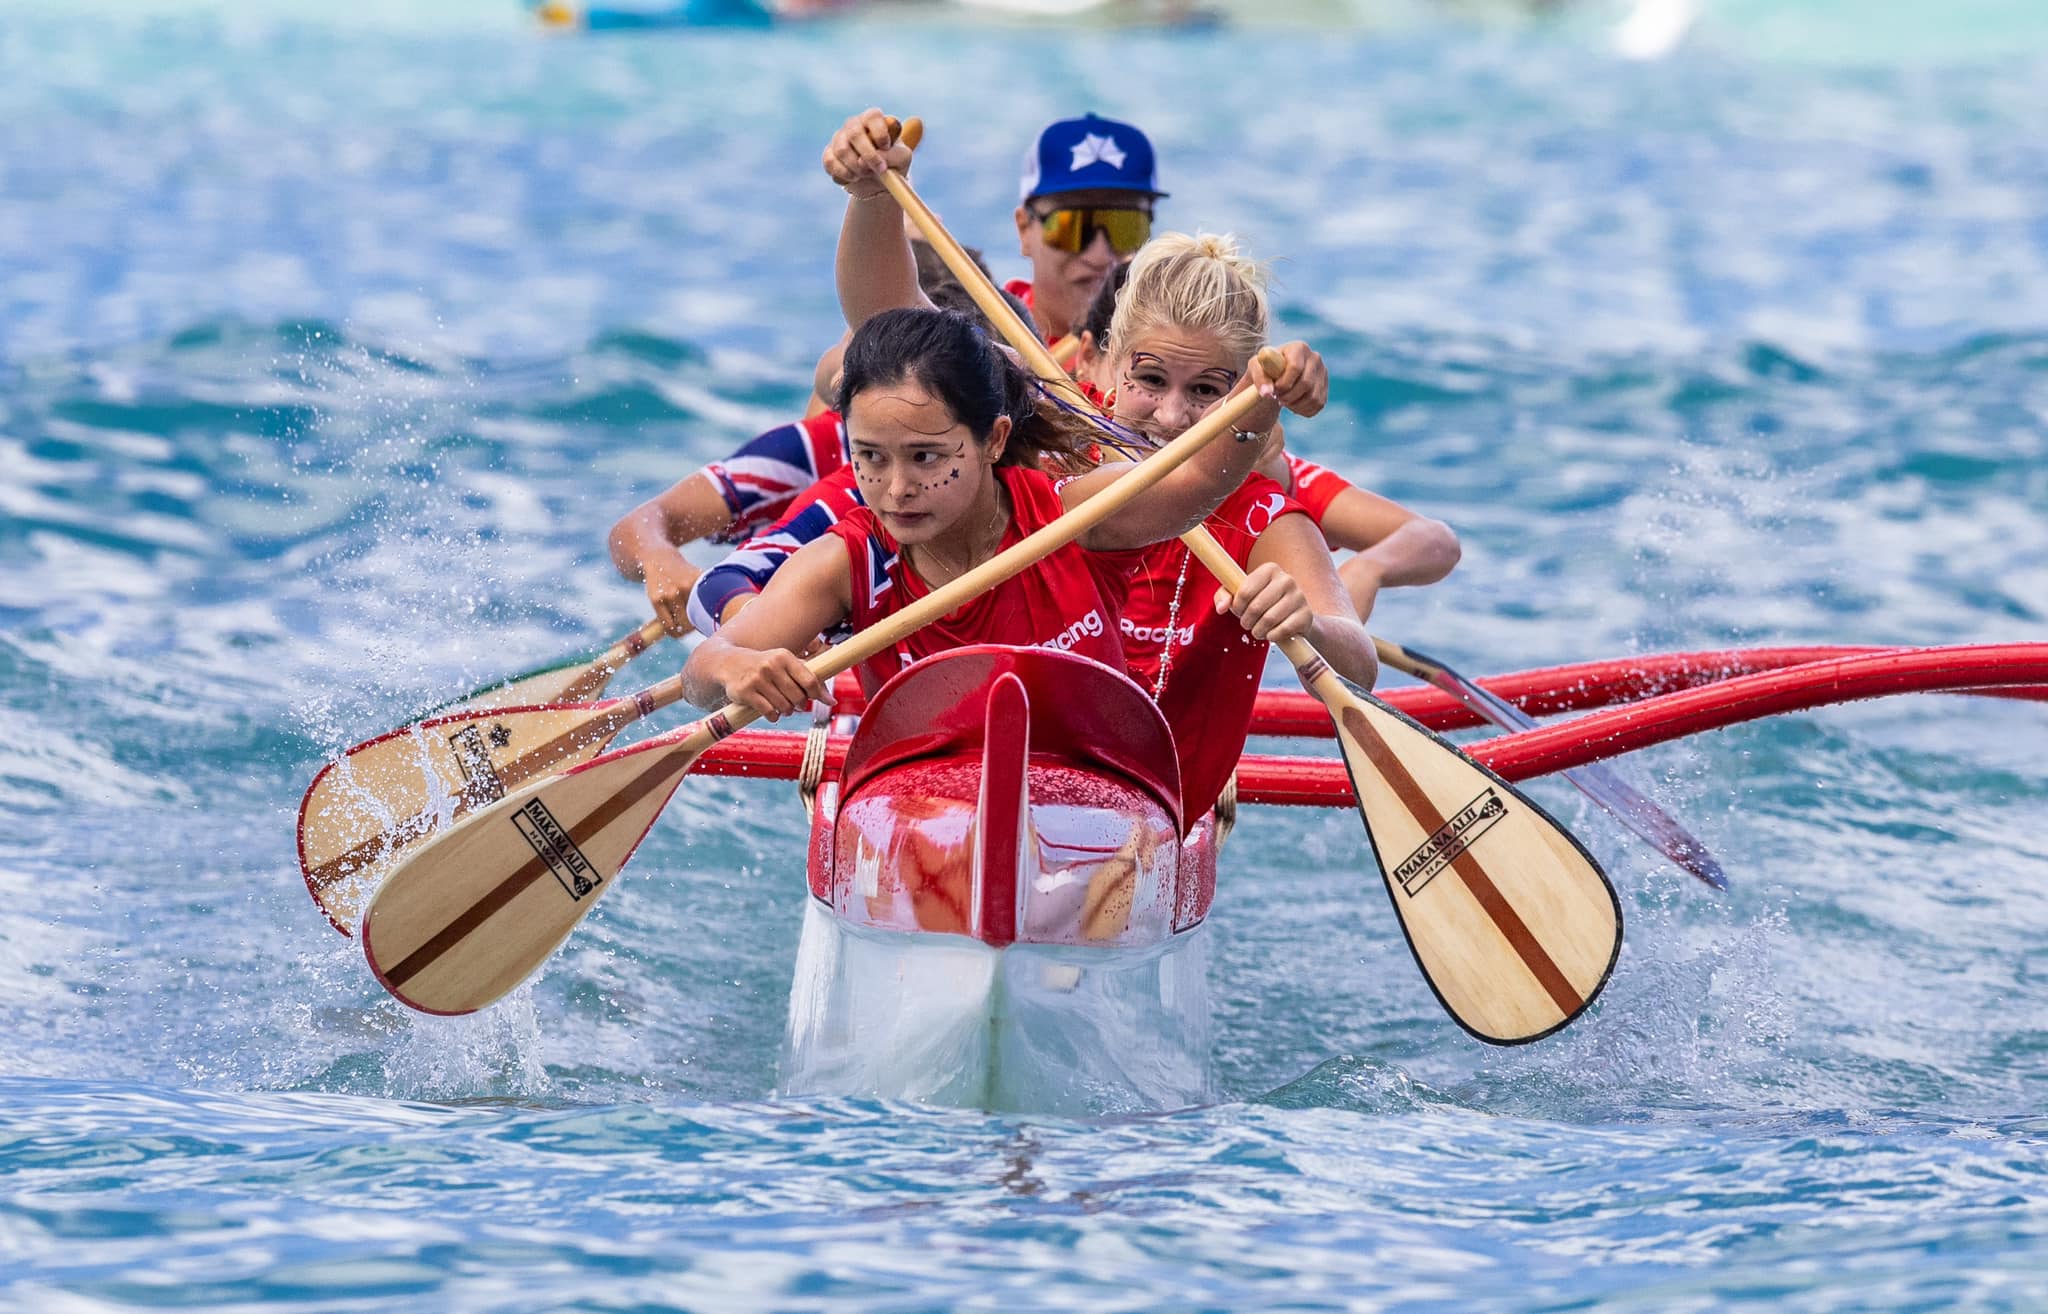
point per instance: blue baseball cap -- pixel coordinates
(1089, 154)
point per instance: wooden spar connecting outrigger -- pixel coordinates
(555, 737)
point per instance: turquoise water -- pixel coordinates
(328, 349)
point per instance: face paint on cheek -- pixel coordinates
(952, 475)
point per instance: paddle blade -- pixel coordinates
(1663, 831)
(367, 807)
(1514, 925)
(474, 911)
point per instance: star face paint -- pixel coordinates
(920, 470)
(1172, 377)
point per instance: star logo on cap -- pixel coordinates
(1092, 149)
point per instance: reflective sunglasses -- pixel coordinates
(1073, 231)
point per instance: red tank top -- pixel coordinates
(1070, 600)
(1315, 486)
(1211, 666)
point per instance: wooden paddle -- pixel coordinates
(367, 807)
(575, 681)
(1523, 937)
(473, 911)
(1596, 782)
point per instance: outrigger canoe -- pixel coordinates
(1004, 912)
(1060, 967)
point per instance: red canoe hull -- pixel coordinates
(1011, 795)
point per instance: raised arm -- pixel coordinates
(876, 270)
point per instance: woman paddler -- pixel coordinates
(956, 455)
(1088, 190)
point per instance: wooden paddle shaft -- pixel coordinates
(637, 642)
(1308, 663)
(1398, 657)
(599, 673)
(1020, 335)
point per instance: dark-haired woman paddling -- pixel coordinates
(951, 445)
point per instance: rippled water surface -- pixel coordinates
(330, 344)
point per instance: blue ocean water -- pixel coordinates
(330, 343)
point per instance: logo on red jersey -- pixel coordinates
(1158, 634)
(1264, 512)
(1088, 627)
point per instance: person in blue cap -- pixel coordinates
(1086, 206)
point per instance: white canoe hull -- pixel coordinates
(946, 1019)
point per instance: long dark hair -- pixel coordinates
(947, 356)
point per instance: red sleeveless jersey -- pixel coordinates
(1212, 667)
(1315, 486)
(1070, 600)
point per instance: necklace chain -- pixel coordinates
(1172, 625)
(995, 527)
(1180, 584)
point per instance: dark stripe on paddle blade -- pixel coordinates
(512, 886)
(1510, 924)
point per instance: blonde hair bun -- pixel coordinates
(1203, 283)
